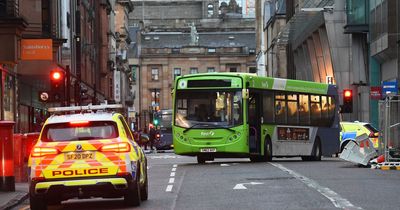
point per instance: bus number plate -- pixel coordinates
(80, 156)
(208, 150)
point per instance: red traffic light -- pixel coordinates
(56, 75)
(347, 93)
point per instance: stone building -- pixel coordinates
(187, 37)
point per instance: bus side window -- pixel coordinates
(280, 108)
(332, 106)
(315, 110)
(293, 111)
(304, 109)
(268, 104)
(324, 111)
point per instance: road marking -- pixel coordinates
(164, 157)
(224, 165)
(241, 186)
(175, 165)
(172, 174)
(335, 198)
(169, 188)
(171, 180)
(173, 169)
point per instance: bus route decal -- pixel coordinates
(290, 133)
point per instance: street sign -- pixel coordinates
(375, 93)
(390, 87)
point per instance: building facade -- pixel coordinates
(76, 36)
(309, 41)
(188, 37)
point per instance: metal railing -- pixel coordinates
(390, 128)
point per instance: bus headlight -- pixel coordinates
(234, 137)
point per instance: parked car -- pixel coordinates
(356, 128)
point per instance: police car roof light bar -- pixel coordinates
(84, 108)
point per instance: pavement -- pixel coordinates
(8, 200)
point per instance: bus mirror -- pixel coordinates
(245, 93)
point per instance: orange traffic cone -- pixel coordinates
(380, 159)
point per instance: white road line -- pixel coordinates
(172, 174)
(171, 180)
(173, 169)
(169, 188)
(175, 165)
(335, 198)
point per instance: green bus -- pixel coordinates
(220, 115)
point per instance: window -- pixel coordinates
(154, 74)
(280, 108)
(194, 70)
(232, 69)
(210, 69)
(176, 50)
(155, 98)
(268, 104)
(177, 72)
(211, 50)
(252, 70)
(210, 10)
(304, 110)
(292, 108)
(315, 109)
(126, 128)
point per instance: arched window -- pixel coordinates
(210, 10)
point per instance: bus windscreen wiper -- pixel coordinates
(227, 128)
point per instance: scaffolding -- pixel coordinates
(390, 131)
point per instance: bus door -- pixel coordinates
(254, 120)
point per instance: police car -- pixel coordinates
(349, 130)
(85, 155)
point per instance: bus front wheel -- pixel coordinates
(268, 150)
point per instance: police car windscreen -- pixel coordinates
(70, 131)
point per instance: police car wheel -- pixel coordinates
(144, 190)
(37, 203)
(132, 197)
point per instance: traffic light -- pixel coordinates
(57, 84)
(347, 106)
(155, 122)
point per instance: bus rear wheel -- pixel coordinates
(317, 152)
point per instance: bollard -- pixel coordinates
(7, 179)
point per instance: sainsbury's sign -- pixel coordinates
(36, 49)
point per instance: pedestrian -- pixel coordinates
(152, 137)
